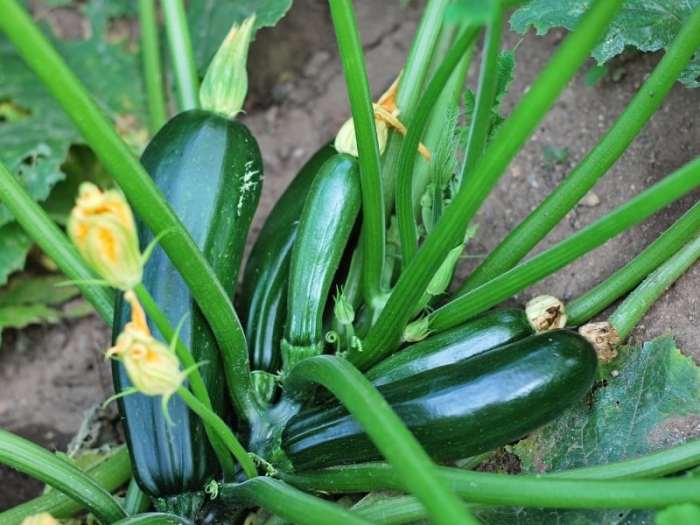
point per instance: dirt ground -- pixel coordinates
(51, 376)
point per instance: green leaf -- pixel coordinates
(210, 21)
(648, 25)
(649, 400)
(687, 513)
(14, 246)
(30, 299)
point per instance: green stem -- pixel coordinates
(350, 47)
(110, 474)
(638, 303)
(195, 380)
(143, 195)
(509, 138)
(415, 72)
(287, 502)
(634, 211)
(519, 491)
(152, 70)
(154, 518)
(136, 500)
(181, 54)
(25, 456)
(390, 435)
(53, 242)
(554, 208)
(213, 421)
(408, 231)
(486, 93)
(622, 281)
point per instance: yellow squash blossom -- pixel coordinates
(386, 114)
(40, 519)
(102, 227)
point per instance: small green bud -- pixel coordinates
(417, 330)
(343, 310)
(442, 278)
(225, 84)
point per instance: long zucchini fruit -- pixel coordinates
(326, 222)
(458, 410)
(263, 296)
(210, 170)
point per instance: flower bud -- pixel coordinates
(343, 310)
(43, 518)
(443, 277)
(102, 227)
(152, 367)
(225, 84)
(417, 330)
(545, 313)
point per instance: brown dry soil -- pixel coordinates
(51, 376)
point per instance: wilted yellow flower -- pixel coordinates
(386, 114)
(102, 227)
(152, 367)
(40, 519)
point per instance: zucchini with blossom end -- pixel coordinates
(209, 169)
(262, 300)
(326, 222)
(487, 331)
(458, 410)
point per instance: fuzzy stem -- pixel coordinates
(509, 138)
(143, 195)
(53, 242)
(554, 208)
(287, 502)
(390, 435)
(110, 474)
(634, 211)
(135, 500)
(519, 491)
(31, 459)
(181, 54)
(408, 232)
(152, 69)
(623, 280)
(486, 94)
(218, 425)
(352, 59)
(195, 380)
(638, 303)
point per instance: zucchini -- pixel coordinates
(458, 410)
(325, 225)
(209, 169)
(494, 328)
(262, 299)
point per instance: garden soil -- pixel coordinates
(52, 376)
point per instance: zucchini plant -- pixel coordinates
(357, 363)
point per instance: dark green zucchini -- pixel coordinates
(491, 329)
(262, 300)
(459, 410)
(326, 222)
(209, 169)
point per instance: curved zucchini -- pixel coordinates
(494, 328)
(328, 217)
(458, 410)
(262, 300)
(209, 169)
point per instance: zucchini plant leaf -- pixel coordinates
(30, 299)
(648, 25)
(210, 21)
(648, 401)
(35, 135)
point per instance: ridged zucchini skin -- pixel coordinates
(491, 329)
(262, 299)
(458, 410)
(209, 169)
(325, 225)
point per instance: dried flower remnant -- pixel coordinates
(545, 313)
(604, 338)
